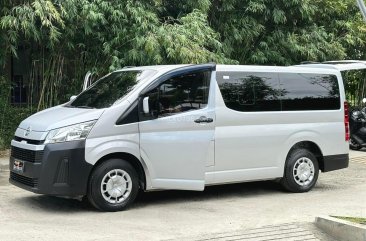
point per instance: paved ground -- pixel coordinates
(231, 212)
(283, 232)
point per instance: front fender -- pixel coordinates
(97, 148)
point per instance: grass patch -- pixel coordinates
(353, 219)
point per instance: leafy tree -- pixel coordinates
(103, 35)
(272, 32)
(343, 21)
(69, 37)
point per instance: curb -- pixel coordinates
(341, 229)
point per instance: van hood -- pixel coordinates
(58, 117)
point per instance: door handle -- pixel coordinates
(204, 119)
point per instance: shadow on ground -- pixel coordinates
(214, 192)
(150, 199)
(53, 204)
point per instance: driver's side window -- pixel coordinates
(180, 94)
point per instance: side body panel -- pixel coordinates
(178, 149)
(254, 145)
(107, 137)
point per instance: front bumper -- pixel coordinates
(60, 169)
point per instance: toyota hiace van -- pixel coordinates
(185, 127)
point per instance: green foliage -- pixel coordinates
(106, 35)
(39, 21)
(69, 37)
(343, 21)
(10, 120)
(279, 32)
(353, 219)
(10, 117)
(188, 40)
(355, 86)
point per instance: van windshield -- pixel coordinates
(109, 89)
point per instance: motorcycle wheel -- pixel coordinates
(354, 145)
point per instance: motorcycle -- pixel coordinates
(357, 125)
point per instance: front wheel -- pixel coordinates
(301, 171)
(113, 185)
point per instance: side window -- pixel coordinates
(180, 94)
(309, 92)
(249, 92)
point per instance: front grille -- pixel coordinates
(26, 155)
(31, 182)
(29, 141)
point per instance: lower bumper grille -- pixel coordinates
(31, 182)
(26, 155)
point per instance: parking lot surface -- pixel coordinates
(180, 215)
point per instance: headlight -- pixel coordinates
(70, 133)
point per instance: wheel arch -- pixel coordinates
(140, 168)
(310, 146)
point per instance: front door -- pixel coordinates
(177, 136)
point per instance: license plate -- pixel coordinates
(18, 166)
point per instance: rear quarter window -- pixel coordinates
(301, 92)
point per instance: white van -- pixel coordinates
(185, 127)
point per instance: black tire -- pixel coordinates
(95, 195)
(354, 145)
(288, 181)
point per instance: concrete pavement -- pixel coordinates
(230, 212)
(283, 232)
(360, 153)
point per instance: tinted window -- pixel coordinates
(309, 92)
(250, 91)
(180, 94)
(109, 89)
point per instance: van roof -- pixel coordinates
(341, 65)
(279, 69)
(332, 67)
(163, 68)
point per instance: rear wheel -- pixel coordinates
(113, 185)
(301, 171)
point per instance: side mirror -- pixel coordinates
(73, 97)
(145, 105)
(364, 100)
